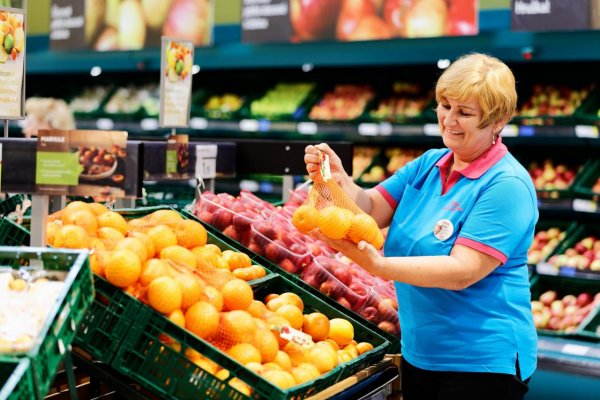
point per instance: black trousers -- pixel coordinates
(420, 384)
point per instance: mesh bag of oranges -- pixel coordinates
(333, 212)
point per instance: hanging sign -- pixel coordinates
(177, 60)
(81, 163)
(550, 15)
(12, 63)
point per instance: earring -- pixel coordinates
(493, 139)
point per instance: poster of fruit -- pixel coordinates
(356, 20)
(106, 25)
(177, 59)
(12, 63)
(81, 163)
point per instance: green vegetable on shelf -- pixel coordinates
(9, 43)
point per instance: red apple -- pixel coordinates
(344, 302)
(583, 299)
(342, 274)
(548, 297)
(275, 252)
(241, 222)
(352, 11)
(389, 327)
(255, 248)
(232, 233)
(205, 216)
(331, 288)
(390, 303)
(289, 266)
(314, 19)
(221, 219)
(370, 314)
(358, 288)
(569, 300)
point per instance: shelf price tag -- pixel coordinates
(249, 125)
(198, 123)
(105, 124)
(431, 130)
(545, 268)
(307, 128)
(510, 131)
(368, 129)
(149, 124)
(583, 205)
(206, 161)
(385, 128)
(586, 131)
(574, 349)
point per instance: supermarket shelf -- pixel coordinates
(572, 356)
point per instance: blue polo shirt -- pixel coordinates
(491, 206)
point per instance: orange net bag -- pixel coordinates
(333, 212)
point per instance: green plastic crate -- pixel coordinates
(394, 340)
(582, 186)
(10, 204)
(169, 373)
(61, 323)
(563, 286)
(12, 234)
(17, 383)
(591, 326)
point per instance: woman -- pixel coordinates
(460, 222)
(46, 113)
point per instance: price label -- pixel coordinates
(105, 124)
(431, 130)
(206, 161)
(385, 129)
(198, 123)
(249, 125)
(149, 124)
(582, 205)
(307, 128)
(586, 131)
(545, 268)
(367, 129)
(575, 349)
(510, 131)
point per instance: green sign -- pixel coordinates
(57, 168)
(171, 161)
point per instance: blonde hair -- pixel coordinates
(484, 78)
(55, 112)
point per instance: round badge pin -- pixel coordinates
(443, 229)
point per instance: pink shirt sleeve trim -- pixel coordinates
(387, 196)
(482, 248)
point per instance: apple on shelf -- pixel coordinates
(596, 186)
(399, 157)
(551, 176)
(362, 158)
(544, 242)
(344, 102)
(583, 256)
(562, 314)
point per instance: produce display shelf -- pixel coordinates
(60, 326)
(16, 380)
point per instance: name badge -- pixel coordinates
(443, 229)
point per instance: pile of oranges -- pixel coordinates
(165, 261)
(338, 223)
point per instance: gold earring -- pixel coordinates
(493, 139)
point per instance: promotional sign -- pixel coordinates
(177, 59)
(81, 163)
(105, 25)
(12, 63)
(550, 15)
(177, 155)
(356, 20)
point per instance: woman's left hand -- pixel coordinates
(363, 254)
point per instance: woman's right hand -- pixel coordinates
(312, 159)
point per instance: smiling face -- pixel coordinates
(459, 125)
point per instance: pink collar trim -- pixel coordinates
(482, 164)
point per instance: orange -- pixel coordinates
(270, 297)
(146, 241)
(52, 229)
(292, 299)
(97, 244)
(363, 227)
(72, 237)
(133, 245)
(273, 365)
(113, 220)
(283, 360)
(331, 343)
(191, 289)
(162, 236)
(292, 314)
(266, 342)
(351, 349)
(343, 356)
(98, 260)
(178, 255)
(275, 303)
(240, 386)
(341, 331)
(316, 325)
(73, 207)
(205, 257)
(214, 248)
(139, 225)
(177, 318)
(379, 240)
(202, 319)
(235, 327)
(311, 369)
(110, 236)
(190, 234)
(323, 357)
(164, 295)
(244, 353)
(84, 219)
(302, 375)
(152, 269)
(306, 218)
(282, 379)
(335, 222)
(236, 259)
(214, 297)
(123, 268)
(97, 208)
(363, 347)
(260, 324)
(237, 295)
(257, 309)
(296, 352)
(255, 367)
(164, 217)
